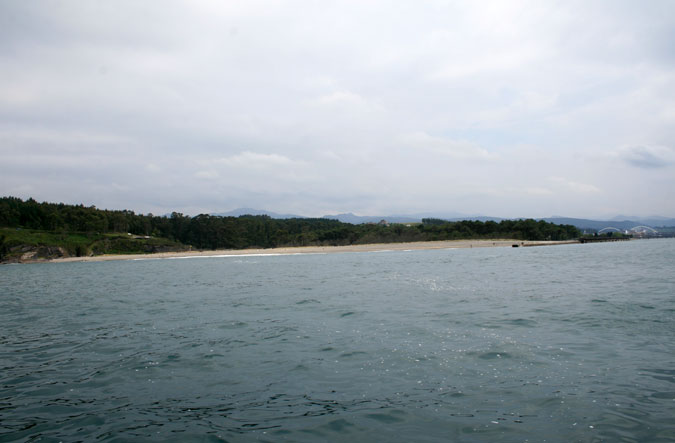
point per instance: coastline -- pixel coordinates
(375, 247)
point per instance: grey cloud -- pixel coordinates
(343, 107)
(648, 157)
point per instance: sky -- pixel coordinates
(510, 109)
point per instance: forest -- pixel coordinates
(247, 231)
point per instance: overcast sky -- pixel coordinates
(512, 109)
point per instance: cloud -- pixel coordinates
(574, 186)
(538, 191)
(295, 105)
(458, 149)
(340, 97)
(648, 157)
(346, 100)
(255, 160)
(152, 167)
(76, 140)
(207, 174)
(255, 172)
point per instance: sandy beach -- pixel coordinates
(453, 244)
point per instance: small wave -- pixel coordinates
(523, 322)
(388, 418)
(352, 354)
(307, 301)
(493, 355)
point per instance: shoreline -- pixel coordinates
(375, 247)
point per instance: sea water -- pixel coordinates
(561, 343)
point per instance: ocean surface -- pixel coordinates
(557, 344)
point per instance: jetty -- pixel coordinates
(602, 239)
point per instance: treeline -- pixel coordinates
(527, 229)
(214, 232)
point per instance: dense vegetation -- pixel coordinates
(71, 224)
(50, 244)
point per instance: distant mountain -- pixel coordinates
(482, 218)
(581, 223)
(619, 222)
(405, 218)
(359, 219)
(625, 224)
(250, 211)
(653, 220)
(443, 215)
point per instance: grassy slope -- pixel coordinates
(18, 241)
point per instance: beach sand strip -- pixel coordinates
(377, 247)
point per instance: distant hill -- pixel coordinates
(406, 218)
(619, 222)
(250, 211)
(482, 218)
(359, 219)
(654, 220)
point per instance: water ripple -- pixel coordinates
(453, 345)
